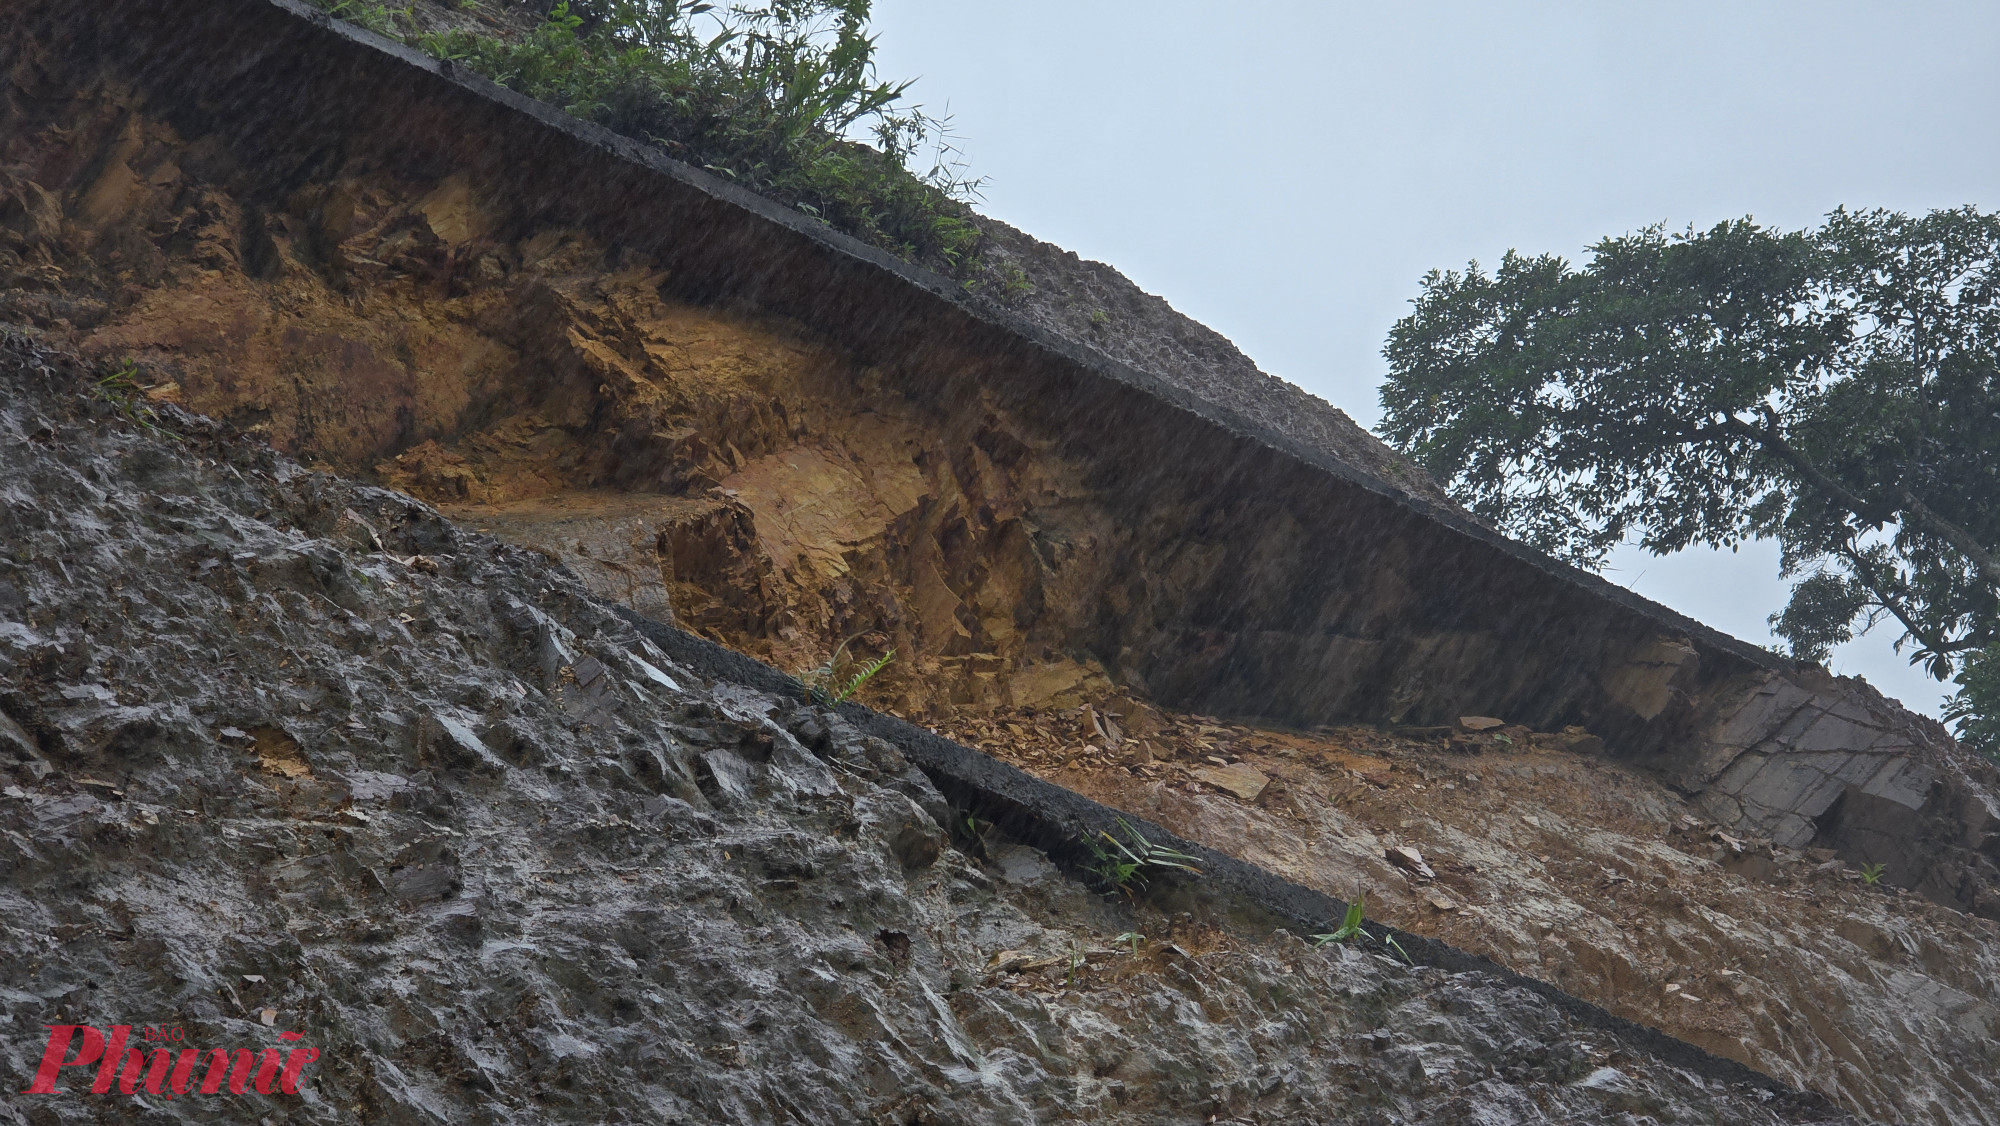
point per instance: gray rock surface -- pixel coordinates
(285, 753)
(1821, 760)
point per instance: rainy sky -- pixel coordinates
(1285, 172)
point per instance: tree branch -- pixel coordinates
(1988, 564)
(1872, 579)
(1771, 437)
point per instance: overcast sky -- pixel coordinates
(1285, 172)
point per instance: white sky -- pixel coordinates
(1285, 172)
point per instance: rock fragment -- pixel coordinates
(1409, 859)
(1239, 778)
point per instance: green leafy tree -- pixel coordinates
(1837, 390)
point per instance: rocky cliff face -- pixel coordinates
(288, 754)
(721, 422)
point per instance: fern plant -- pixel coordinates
(836, 681)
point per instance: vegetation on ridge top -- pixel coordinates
(1837, 390)
(766, 96)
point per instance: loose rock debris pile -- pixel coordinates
(1537, 850)
(284, 753)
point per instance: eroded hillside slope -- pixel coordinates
(284, 753)
(1064, 577)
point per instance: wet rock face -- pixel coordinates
(284, 753)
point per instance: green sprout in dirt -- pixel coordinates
(121, 388)
(1124, 859)
(1350, 929)
(836, 681)
(1131, 939)
(1871, 874)
(971, 829)
(1008, 280)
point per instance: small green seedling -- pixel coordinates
(975, 828)
(1130, 938)
(122, 389)
(1350, 927)
(1871, 874)
(1124, 864)
(831, 684)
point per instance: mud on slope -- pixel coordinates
(287, 753)
(713, 465)
(394, 316)
(776, 495)
(1572, 868)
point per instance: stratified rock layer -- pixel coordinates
(285, 753)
